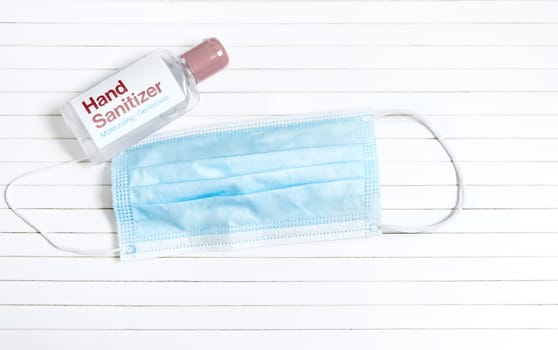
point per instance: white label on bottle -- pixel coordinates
(128, 99)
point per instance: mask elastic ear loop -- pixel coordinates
(43, 233)
(458, 207)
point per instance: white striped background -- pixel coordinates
(484, 72)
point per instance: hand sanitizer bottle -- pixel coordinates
(141, 98)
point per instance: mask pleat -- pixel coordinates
(296, 205)
(245, 164)
(245, 184)
(246, 141)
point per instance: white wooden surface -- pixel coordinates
(484, 72)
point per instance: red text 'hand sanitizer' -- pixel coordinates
(141, 98)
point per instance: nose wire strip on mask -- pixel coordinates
(36, 227)
(458, 175)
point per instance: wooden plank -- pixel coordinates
(297, 57)
(284, 317)
(249, 12)
(480, 339)
(442, 245)
(242, 34)
(269, 273)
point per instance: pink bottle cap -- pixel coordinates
(206, 59)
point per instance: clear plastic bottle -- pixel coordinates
(141, 98)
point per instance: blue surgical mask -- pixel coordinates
(292, 179)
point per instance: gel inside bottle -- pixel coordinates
(141, 98)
